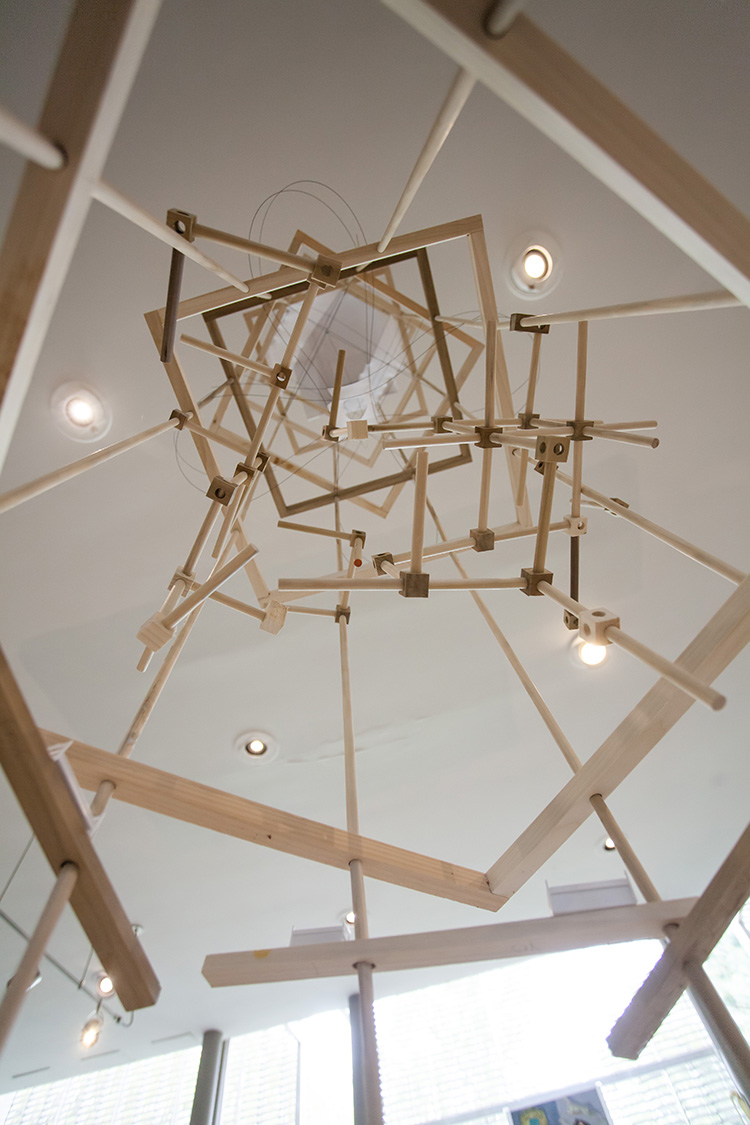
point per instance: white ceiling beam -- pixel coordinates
(96, 68)
(447, 947)
(546, 85)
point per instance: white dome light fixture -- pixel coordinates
(533, 265)
(79, 412)
(258, 745)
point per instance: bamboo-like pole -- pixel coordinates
(420, 495)
(259, 249)
(116, 201)
(675, 673)
(16, 496)
(29, 964)
(27, 142)
(461, 87)
(731, 573)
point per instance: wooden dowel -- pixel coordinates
(234, 603)
(425, 442)
(721, 1026)
(313, 584)
(27, 142)
(715, 300)
(288, 525)
(202, 537)
(370, 1067)
(359, 904)
(624, 850)
(649, 424)
(230, 513)
(395, 427)
(616, 435)
(304, 312)
(231, 357)
(484, 489)
(545, 513)
(732, 573)
(350, 773)
(16, 496)
(311, 610)
(174, 285)
(461, 87)
(114, 199)
(217, 579)
(24, 975)
(269, 253)
(580, 408)
(536, 347)
(337, 380)
(420, 495)
(490, 371)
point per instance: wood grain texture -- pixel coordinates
(446, 947)
(712, 650)
(543, 83)
(58, 825)
(198, 804)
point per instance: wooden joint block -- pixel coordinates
(485, 433)
(525, 418)
(570, 620)
(575, 525)
(258, 466)
(484, 538)
(182, 417)
(281, 375)
(517, 326)
(182, 576)
(221, 489)
(378, 560)
(326, 272)
(594, 624)
(274, 617)
(533, 578)
(357, 428)
(438, 423)
(328, 434)
(183, 222)
(414, 585)
(358, 535)
(344, 611)
(154, 634)
(578, 428)
(554, 449)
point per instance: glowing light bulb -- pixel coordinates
(91, 1031)
(609, 844)
(536, 264)
(105, 986)
(592, 654)
(80, 411)
(256, 746)
(350, 918)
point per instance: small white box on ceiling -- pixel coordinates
(322, 934)
(590, 896)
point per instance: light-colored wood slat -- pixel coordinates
(543, 83)
(198, 804)
(100, 55)
(712, 650)
(446, 947)
(58, 825)
(697, 936)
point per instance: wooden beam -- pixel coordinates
(714, 648)
(87, 94)
(198, 804)
(543, 83)
(692, 943)
(57, 822)
(446, 947)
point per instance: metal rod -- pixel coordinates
(29, 963)
(16, 134)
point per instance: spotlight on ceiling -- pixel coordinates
(536, 264)
(257, 744)
(105, 986)
(91, 1030)
(79, 412)
(350, 917)
(609, 845)
(533, 265)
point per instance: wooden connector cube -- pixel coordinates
(221, 489)
(326, 271)
(274, 617)
(414, 585)
(593, 625)
(552, 449)
(357, 428)
(484, 538)
(154, 634)
(281, 375)
(575, 525)
(533, 578)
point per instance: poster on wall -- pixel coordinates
(583, 1108)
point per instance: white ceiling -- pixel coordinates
(233, 102)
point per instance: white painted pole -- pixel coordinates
(29, 964)
(460, 89)
(16, 134)
(42, 484)
(116, 201)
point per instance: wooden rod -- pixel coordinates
(427, 441)
(304, 312)
(545, 513)
(313, 584)
(616, 435)
(718, 299)
(624, 850)
(231, 357)
(241, 607)
(350, 771)
(311, 610)
(420, 496)
(269, 253)
(732, 573)
(484, 489)
(230, 513)
(174, 285)
(490, 371)
(461, 87)
(580, 408)
(536, 347)
(125, 207)
(370, 1067)
(24, 140)
(24, 975)
(731, 1042)
(202, 537)
(288, 525)
(337, 380)
(217, 579)
(36, 487)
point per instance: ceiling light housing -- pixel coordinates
(79, 412)
(91, 1030)
(105, 986)
(533, 265)
(257, 745)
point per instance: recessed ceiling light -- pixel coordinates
(79, 412)
(350, 917)
(609, 845)
(257, 744)
(533, 265)
(91, 1030)
(537, 263)
(105, 986)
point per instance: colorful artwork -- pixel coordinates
(584, 1108)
